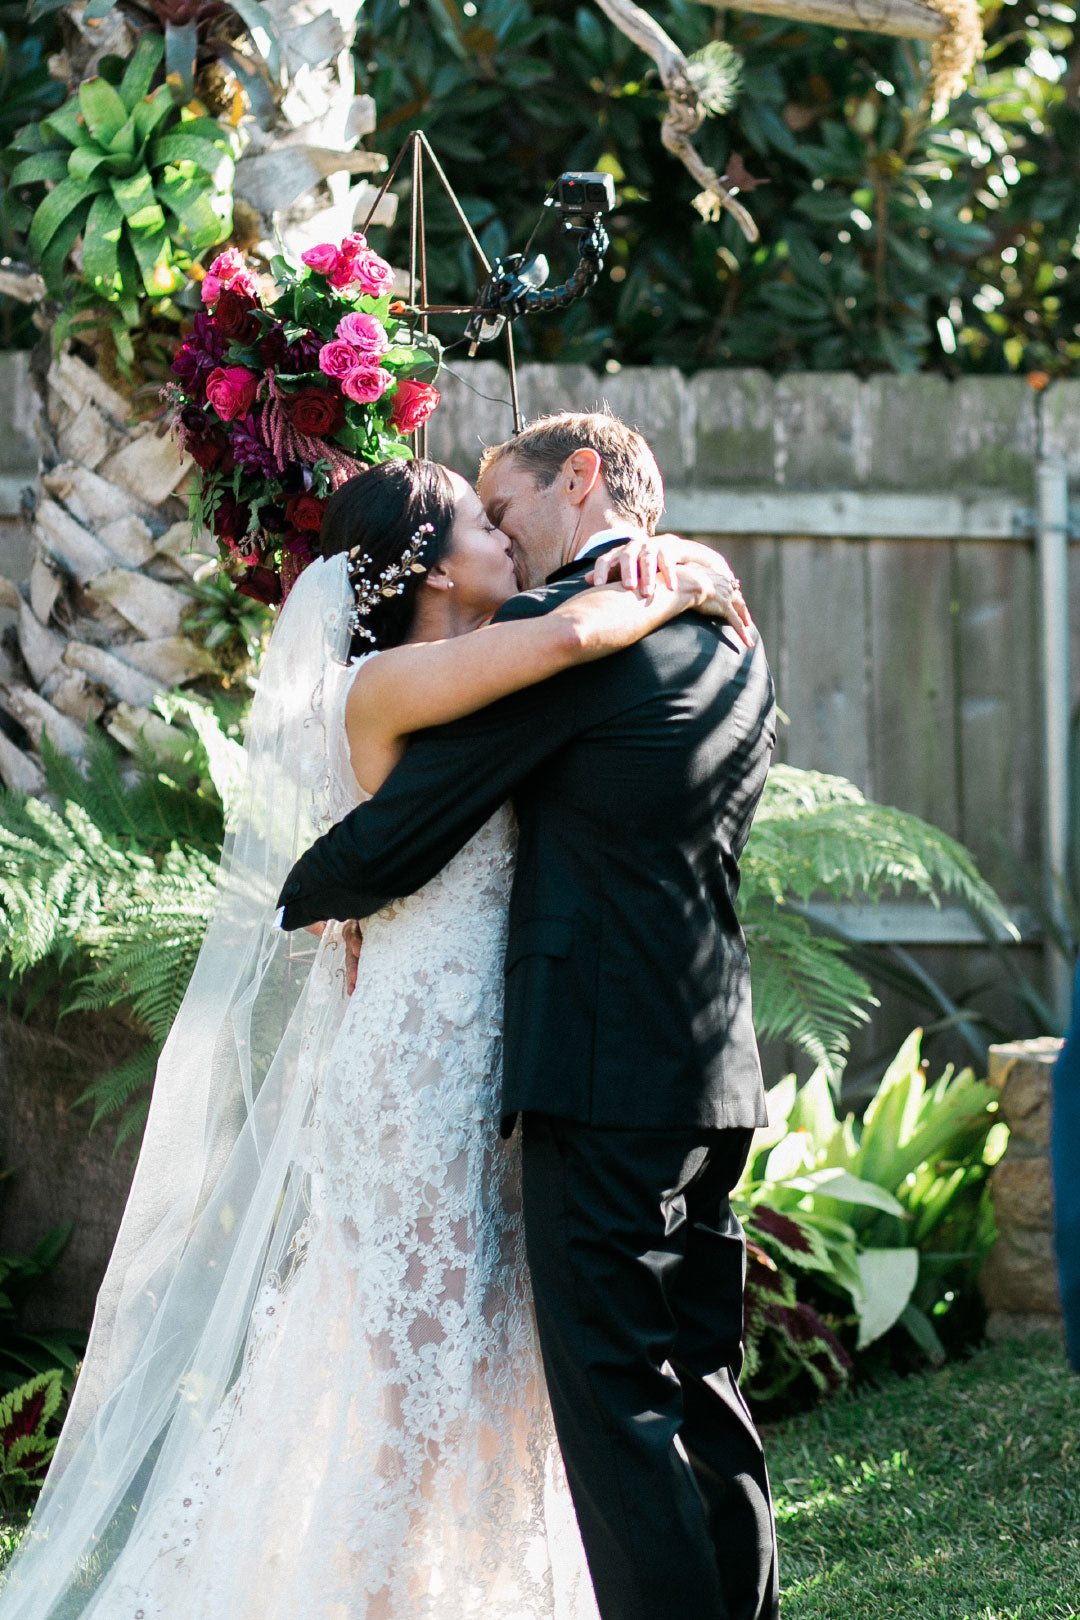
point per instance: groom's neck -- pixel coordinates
(594, 520)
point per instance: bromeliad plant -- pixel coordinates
(280, 399)
(888, 1215)
(144, 183)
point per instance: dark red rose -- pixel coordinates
(260, 583)
(235, 318)
(211, 454)
(413, 404)
(315, 411)
(305, 512)
(231, 518)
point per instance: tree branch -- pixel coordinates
(685, 114)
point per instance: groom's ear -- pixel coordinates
(580, 475)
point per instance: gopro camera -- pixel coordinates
(577, 195)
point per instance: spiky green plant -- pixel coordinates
(816, 836)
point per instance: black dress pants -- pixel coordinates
(638, 1265)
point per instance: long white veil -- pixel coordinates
(219, 1191)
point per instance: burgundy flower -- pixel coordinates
(249, 449)
(206, 338)
(300, 355)
(315, 411)
(262, 584)
(305, 512)
(231, 518)
(212, 454)
(235, 317)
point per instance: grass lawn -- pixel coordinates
(950, 1496)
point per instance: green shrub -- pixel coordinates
(889, 240)
(881, 1224)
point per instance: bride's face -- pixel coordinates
(480, 561)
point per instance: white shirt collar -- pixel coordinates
(604, 537)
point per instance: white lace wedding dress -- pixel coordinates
(387, 1452)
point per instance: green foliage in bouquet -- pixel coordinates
(144, 183)
(817, 836)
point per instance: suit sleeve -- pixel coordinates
(450, 780)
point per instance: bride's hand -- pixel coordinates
(353, 935)
(641, 562)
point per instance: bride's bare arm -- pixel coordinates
(422, 684)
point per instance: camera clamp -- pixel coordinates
(516, 286)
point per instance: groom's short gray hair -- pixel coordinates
(630, 472)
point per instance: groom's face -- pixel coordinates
(538, 521)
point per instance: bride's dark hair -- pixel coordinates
(376, 516)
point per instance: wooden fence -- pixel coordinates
(886, 535)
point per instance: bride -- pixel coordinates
(312, 1390)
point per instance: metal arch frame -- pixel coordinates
(419, 149)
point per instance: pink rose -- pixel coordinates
(211, 289)
(337, 359)
(366, 384)
(353, 244)
(373, 274)
(228, 265)
(343, 274)
(245, 281)
(365, 333)
(321, 259)
(231, 391)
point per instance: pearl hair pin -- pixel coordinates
(370, 591)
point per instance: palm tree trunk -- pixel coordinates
(100, 626)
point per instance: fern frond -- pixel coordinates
(816, 834)
(804, 989)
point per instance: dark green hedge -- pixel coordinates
(888, 242)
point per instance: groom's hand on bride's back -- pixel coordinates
(643, 561)
(353, 938)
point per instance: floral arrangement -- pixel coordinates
(278, 400)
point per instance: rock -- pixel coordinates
(1019, 1274)
(1023, 1193)
(1018, 1280)
(1021, 1070)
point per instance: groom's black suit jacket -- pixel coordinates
(634, 779)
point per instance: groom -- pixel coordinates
(629, 1044)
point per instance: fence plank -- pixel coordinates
(998, 703)
(821, 668)
(756, 560)
(914, 689)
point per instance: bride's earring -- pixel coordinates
(449, 584)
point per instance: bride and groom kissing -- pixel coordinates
(441, 1313)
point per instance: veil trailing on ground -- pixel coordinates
(219, 1192)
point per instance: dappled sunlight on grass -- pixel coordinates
(950, 1496)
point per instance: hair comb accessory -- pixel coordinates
(369, 590)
